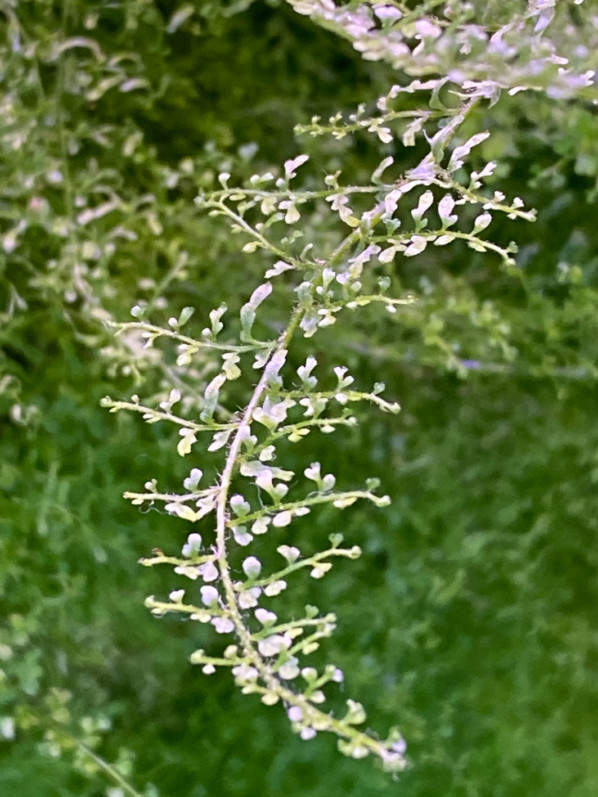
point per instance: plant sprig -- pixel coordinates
(252, 495)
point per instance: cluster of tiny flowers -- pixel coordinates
(253, 497)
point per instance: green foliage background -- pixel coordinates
(470, 621)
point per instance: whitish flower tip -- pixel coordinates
(252, 567)
(209, 595)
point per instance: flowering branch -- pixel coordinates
(252, 496)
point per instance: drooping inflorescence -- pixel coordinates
(253, 498)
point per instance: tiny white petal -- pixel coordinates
(209, 595)
(291, 165)
(265, 617)
(290, 553)
(252, 567)
(275, 588)
(248, 598)
(208, 571)
(223, 625)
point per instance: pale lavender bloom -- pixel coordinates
(252, 567)
(209, 595)
(387, 12)
(208, 571)
(265, 617)
(244, 673)
(248, 598)
(295, 714)
(273, 645)
(338, 676)
(193, 545)
(223, 625)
